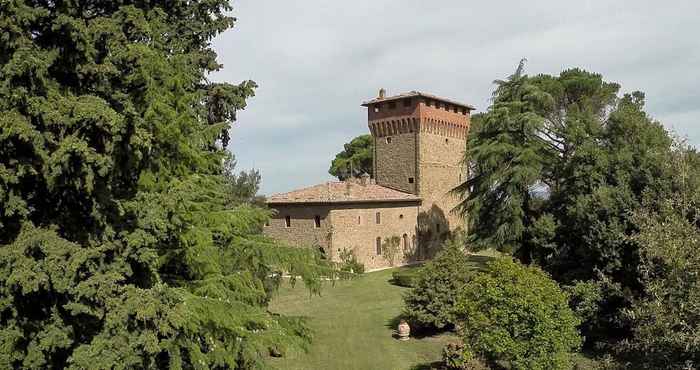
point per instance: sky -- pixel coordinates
(316, 61)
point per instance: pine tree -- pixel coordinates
(508, 158)
(355, 159)
(117, 246)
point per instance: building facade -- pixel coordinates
(419, 143)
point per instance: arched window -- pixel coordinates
(379, 246)
(405, 242)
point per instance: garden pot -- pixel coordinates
(404, 330)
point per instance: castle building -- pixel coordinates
(419, 143)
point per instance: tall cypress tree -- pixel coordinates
(117, 247)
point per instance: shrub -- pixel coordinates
(406, 277)
(453, 358)
(349, 262)
(666, 318)
(431, 302)
(517, 315)
(391, 249)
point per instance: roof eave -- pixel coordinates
(348, 201)
(430, 96)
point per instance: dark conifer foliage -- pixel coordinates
(559, 164)
(118, 248)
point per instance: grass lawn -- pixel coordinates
(353, 324)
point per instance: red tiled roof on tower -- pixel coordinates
(381, 98)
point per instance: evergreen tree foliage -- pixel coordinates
(508, 158)
(356, 158)
(558, 166)
(516, 315)
(431, 302)
(665, 319)
(117, 246)
(242, 186)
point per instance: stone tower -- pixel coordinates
(419, 142)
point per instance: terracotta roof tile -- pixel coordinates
(342, 192)
(416, 93)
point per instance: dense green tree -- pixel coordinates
(507, 159)
(356, 158)
(516, 315)
(665, 322)
(665, 319)
(558, 166)
(431, 302)
(117, 246)
(242, 186)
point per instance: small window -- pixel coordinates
(447, 141)
(378, 218)
(429, 103)
(287, 221)
(455, 109)
(379, 246)
(407, 102)
(464, 111)
(411, 180)
(401, 217)
(437, 227)
(359, 220)
(388, 139)
(392, 105)
(317, 221)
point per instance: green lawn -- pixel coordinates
(353, 323)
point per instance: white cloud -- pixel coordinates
(316, 61)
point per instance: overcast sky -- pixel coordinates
(316, 61)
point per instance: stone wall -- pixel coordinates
(395, 166)
(349, 226)
(440, 171)
(355, 228)
(302, 231)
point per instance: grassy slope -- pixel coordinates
(352, 324)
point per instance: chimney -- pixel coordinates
(382, 93)
(365, 179)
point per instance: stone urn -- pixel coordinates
(404, 330)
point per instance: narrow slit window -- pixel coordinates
(378, 217)
(287, 221)
(359, 220)
(379, 246)
(317, 221)
(405, 242)
(411, 180)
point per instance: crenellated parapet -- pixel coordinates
(404, 125)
